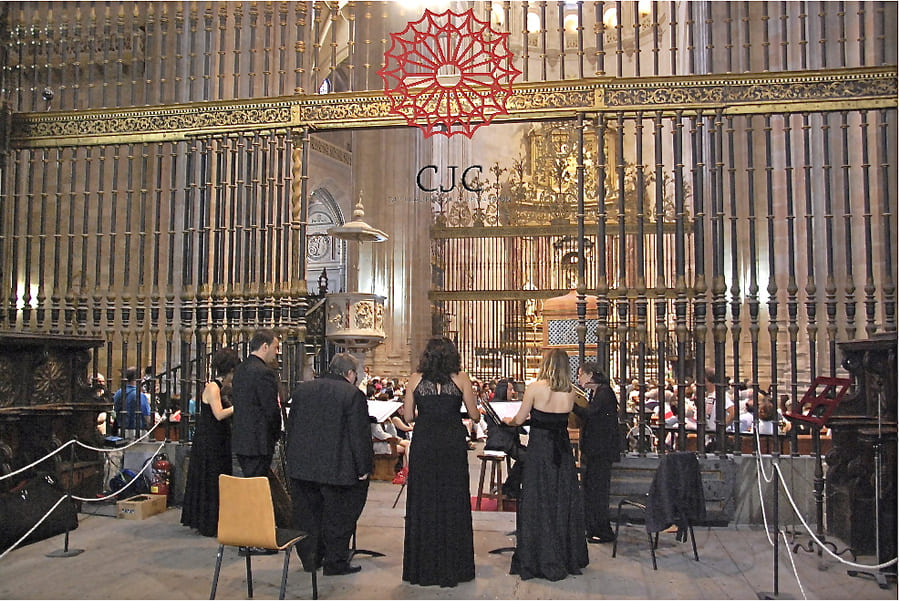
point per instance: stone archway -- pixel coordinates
(324, 251)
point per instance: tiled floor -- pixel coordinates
(159, 559)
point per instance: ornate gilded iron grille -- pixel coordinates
(759, 137)
(112, 54)
(190, 240)
(730, 252)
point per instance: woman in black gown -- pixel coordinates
(437, 545)
(211, 448)
(550, 514)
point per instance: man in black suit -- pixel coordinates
(257, 418)
(599, 449)
(329, 459)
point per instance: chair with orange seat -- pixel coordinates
(247, 519)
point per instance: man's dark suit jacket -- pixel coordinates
(257, 418)
(599, 433)
(329, 439)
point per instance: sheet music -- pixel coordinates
(381, 410)
(506, 408)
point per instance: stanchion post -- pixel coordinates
(776, 455)
(66, 551)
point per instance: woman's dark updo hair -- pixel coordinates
(598, 376)
(439, 360)
(225, 360)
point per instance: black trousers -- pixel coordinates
(254, 465)
(328, 513)
(595, 480)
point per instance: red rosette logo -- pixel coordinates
(448, 73)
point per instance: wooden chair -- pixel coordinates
(247, 519)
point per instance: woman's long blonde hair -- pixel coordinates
(555, 369)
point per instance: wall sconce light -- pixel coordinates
(497, 15)
(642, 20)
(570, 23)
(610, 17)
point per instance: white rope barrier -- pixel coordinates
(820, 543)
(39, 522)
(776, 468)
(759, 465)
(78, 442)
(136, 476)
(144, 468)
(762, 502)
(34, 463)
(122, 448)
(790, 555)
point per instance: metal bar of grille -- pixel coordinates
(792, 287)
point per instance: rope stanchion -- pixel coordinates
(66, 551)
(821, 544)
(775, 529)
(33, 528)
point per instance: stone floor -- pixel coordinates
(157, 558)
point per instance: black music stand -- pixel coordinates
(822, 397)
(354, 551)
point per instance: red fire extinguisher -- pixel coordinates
(160, 473)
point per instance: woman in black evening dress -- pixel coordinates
(437, 545)
(550, 539)
(211, 449)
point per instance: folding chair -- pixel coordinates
(675, 497)
(247, 519)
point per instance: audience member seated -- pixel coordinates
(768, 416)
(386, 442)
(748, 408)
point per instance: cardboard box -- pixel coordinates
(141, 507)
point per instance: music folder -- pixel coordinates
(502, 409)
(381, 410)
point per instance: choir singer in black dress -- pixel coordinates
(211, 448)
(437, 543)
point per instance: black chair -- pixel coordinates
(675, 498)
